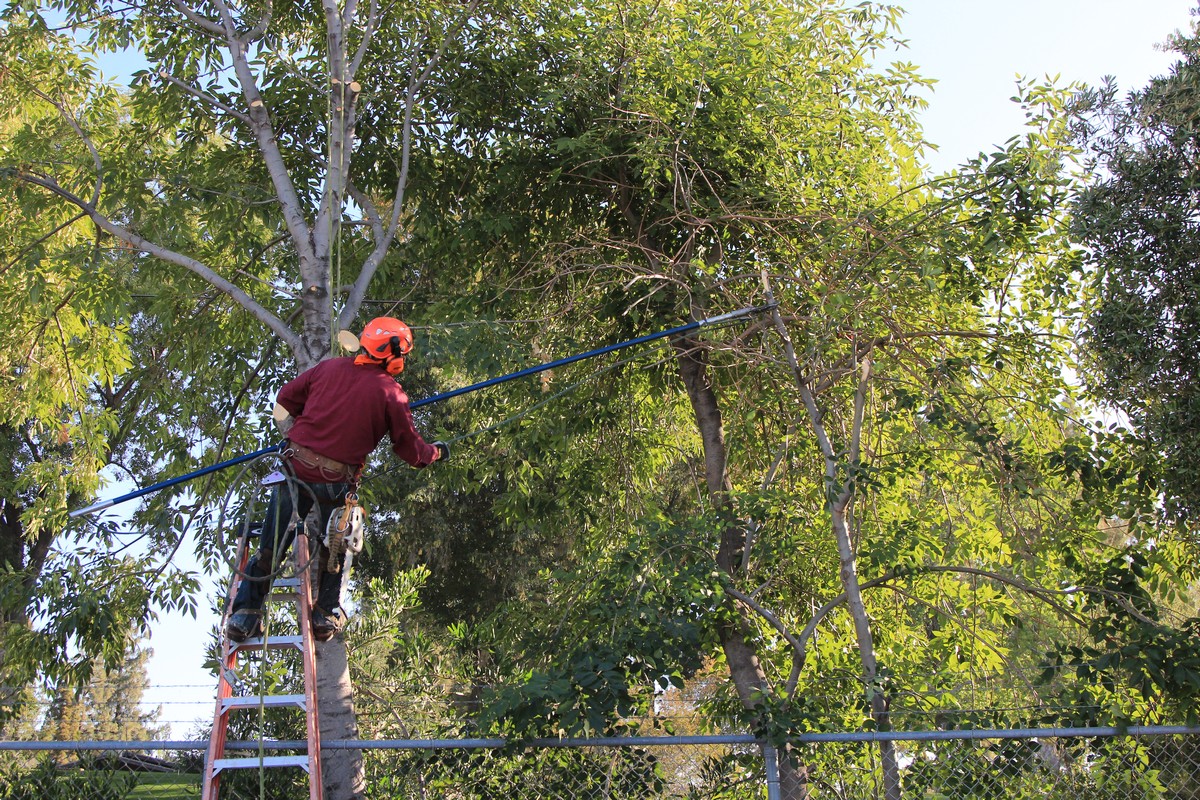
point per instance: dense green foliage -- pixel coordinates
(1137, 221)
(46, 782)
(874, 504)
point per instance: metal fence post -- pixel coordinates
(771, 757)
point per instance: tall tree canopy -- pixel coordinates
(839, 512)
(1137, 220)
(611, 168)
(233, 182)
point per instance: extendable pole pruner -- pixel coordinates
(437, 398)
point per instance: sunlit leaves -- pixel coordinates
(101, 344)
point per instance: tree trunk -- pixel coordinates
(12, 545)
(12, 557)
(839, 506)
(316, 336)
(342, 773)
(23, 557)
(880, 708)
(745, 668)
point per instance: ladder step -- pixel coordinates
(256, 762)
(272, 643)
(295, 589)
(267, 701)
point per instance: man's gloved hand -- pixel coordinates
(443, 450)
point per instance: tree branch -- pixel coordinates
(359, 290)
(199, 20)
(137, 242)
(207, 98)
(802, 383)
(264, 134)
(260, 27)
(349, 10)
(831, 375)
(860, 402)
(958, 623)
(368, 206)
(1037, 592)
(752, 526)
(5, 268)
(82, 136)
(62, 340)
(344, 93)
(368, 34)
(798, 648)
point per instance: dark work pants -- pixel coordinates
(277, 538)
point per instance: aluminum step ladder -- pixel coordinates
(232, 697)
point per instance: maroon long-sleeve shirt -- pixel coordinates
(343, 410)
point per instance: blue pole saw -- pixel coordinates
(233, 462)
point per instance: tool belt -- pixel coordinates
(335, 471)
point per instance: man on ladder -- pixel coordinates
(334, 415)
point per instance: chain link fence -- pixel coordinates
(1072, 764)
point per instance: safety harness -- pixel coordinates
(332, 470)
(344, 532)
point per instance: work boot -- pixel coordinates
(326, 624)
(245, 620)
(244, 624)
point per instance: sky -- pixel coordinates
(974, 51)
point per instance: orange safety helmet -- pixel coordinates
(385, 340)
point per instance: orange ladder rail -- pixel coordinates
(228, 701)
